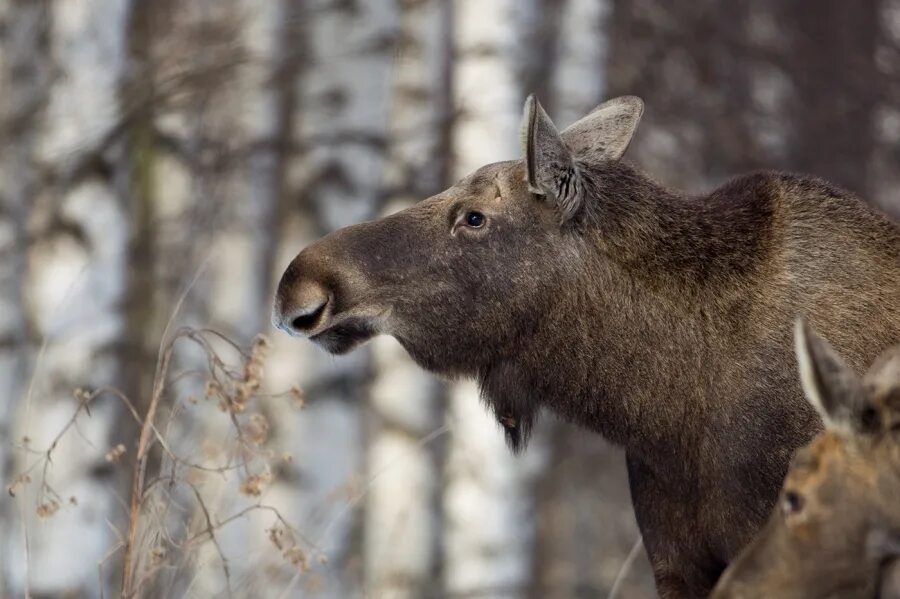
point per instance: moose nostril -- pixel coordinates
(307, 317)
(302, 303)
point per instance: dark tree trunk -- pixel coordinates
(831, 60)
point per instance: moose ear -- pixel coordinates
(604, 134)
(884, 374)
(829, 384)
(549, 167)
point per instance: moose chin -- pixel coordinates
(570, 281)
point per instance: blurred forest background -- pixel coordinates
(161, 161)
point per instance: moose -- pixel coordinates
(836, 532)
(570, 281)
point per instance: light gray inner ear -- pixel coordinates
(884, 373)
(550, 169)
(833, 389)
(604, 134)
(529, 132)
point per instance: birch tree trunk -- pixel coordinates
(234, 199)
(74, 289)
(401, 527)
(340, 129)
(247, 117)
(579, 80)
(24, 75)
(488, 499)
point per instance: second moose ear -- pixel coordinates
(830, 385)
(550, 169)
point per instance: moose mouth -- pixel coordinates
(341, 337)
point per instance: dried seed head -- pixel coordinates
(297, 557)
(262, 342)
(47, 509)
(276, 534)
(243, 393)
(158, 555)
(298, 397)
(253, 372)
(17, 483)
(213, 389)
(253, 486)
(257, 429)
(115, 454)
(260, 348)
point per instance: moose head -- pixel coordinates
(464, 279)
(837, 524)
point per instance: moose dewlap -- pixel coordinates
(570, 281)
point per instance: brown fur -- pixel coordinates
(837, 531)
(659, 320)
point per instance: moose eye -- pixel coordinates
(475, 219)
(869, 419)
(792, 502)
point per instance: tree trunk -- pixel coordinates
(488, 499)
(74, 289)
(831, 60)
(24, 78)
(695, 70)
(401, 528)
(340, 130)
(580, 70)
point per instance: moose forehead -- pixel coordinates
(830, 459)
(817, 458)
(499, 178)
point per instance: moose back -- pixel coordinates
(570, 281)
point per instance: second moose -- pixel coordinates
(836, 532)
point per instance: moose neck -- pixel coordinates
(644, 321)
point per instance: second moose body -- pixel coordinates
(570, 281)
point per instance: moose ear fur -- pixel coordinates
(550, 169)
(829, 384)
(604, 134)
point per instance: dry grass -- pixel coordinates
(171, 505)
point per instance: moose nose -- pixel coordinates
(300, 307)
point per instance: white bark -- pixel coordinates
(580, 74)
(74, 290)
(342, 126)
(488, 541)
(401, 521)
(21, 26)
(233, 287)
(241, 272)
